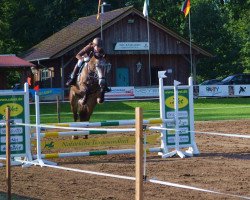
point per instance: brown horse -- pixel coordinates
(89, 89)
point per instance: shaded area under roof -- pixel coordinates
(12, 61)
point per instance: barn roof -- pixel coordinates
(84, 29)
(12, 61)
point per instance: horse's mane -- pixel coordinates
(92, 63)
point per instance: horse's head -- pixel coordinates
(99, 65)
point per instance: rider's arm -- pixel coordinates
(84, 51)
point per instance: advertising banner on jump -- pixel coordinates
(17, 133)
(184, 120)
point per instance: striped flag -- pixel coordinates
(145, 8)
(37, 88)
(29, 81)
(99, 7)
(186, 7)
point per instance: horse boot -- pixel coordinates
(73, 76)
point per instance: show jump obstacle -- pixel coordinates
(176, 119)
(18, 102)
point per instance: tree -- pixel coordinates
(209, 29)
(222, 29)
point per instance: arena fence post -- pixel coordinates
(138, 154)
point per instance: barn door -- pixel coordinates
(122, 76)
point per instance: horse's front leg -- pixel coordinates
(103, 89)
(84, 93)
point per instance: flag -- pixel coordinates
(145, 8)
(98, 13)
(186, 7)
(29, 81)
(37, 88)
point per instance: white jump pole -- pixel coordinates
(194, 149)
(38, 135)
(161, 76)
(38, 130)
(27, 128)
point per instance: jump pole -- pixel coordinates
(39, 160)
(110, 123)
(95, 153)
(138, 154)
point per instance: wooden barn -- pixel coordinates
(125, 41)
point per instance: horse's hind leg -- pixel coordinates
(74, 108)
(73, 105)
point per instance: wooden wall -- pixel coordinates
(160, 41)
(166, 52)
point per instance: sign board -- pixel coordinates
(120, 92)
(184, 117)
(17, 133)
(47, 93)
(135, 46)
(213, 90)
(147, 92)
(239, 90)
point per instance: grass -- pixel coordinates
(204, 109)
(222, 109)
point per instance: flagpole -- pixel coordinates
(190, 44)
(102, 11)
(149, 61)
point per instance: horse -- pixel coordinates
(89, 89)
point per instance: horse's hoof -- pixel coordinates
(75, 137)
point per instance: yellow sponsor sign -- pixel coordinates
(182, 102)
(94, 142)
(15, 109)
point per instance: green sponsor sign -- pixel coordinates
(17, 133)
(184, 116)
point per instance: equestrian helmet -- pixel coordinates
(97, 42)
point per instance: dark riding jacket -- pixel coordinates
(90, 51)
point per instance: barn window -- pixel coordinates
(47, 73)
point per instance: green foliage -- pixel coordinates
(210, 22)
(222, 29)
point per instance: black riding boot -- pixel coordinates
(73, 76)
(106, 88)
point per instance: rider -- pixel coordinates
(92, 49)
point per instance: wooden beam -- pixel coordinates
(138, 154)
